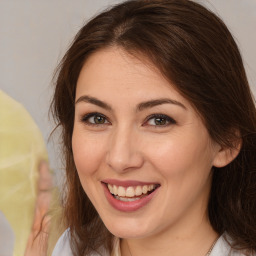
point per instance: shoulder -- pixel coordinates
(223, 248)
(62, 247)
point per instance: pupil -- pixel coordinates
(160, 121)
(99, 120)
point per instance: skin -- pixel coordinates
(129, 145)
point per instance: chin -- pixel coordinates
(128, 229)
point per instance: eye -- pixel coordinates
(95, 119)
(159, 120)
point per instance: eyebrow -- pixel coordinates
(153, 103)
(140, 107)
(94, 101)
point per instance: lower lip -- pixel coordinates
(127, 206)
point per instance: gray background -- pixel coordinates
(34, 35)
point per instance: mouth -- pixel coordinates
(131, 193)
(129, 197)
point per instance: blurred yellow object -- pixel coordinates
(21, 150)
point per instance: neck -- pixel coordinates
(194, 240)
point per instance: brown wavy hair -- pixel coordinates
(195, 51)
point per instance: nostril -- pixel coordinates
(124, 161)
(123, 153)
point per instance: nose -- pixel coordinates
(124, 152)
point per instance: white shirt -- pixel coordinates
(62, 248)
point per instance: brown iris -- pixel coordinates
(99, 120)
(160, 121)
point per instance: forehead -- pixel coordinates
(115, 71)
(112, 61)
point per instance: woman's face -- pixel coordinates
(136, 137)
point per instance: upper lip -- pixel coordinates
(127, 183)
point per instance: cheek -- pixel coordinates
(182, 155)
(87, 153)
(185, 168)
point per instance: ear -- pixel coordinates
(226, 155)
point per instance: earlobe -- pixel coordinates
(227, 154)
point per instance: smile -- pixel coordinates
(130, 193)
(129, 198)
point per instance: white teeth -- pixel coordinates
(129, 192)
(121, 191)
(126, 193)
(145, 189)
(127, 199)
(138, 191)
(110, 188)
(115, 190)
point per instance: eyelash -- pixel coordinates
(85, 119)
(168, 120)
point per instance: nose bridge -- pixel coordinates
(123, 151)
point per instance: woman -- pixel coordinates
(158, 126)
